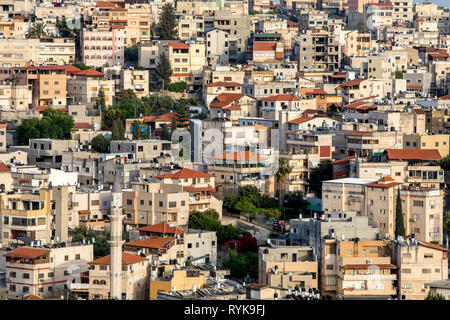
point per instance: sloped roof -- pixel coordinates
(300, 120)
(127, 258)
(350, 83)
(413, 154)
(26, 253)
(153, 243)
(185, 173)
(264, 46)
(4, 167)
(281, 97)
(224, 99)
(162, 227)
(178, 45)
(89, 73)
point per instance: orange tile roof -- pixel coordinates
(33, 297)
(105, 4)
(432, 245)
(181, 75)
(233, 107)
(381, 4)
(153, 243)
(413, 154)
(89, 73)
(26, 253)
(162, 227)
(264, 46)
(185, 173)
(345, 160)
(42, 108)
(300, 120)
(178, 45)
(224, 99)
(166, 117)
(4, 167)
(446, 97)
(127, 258)
(313, 91)
(350, 83)
(281, 97)
(82, 125)
(223, 84)
(238, 156)
(383, 185)
(359, 133)
(414, 86)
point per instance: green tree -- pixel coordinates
(445, 163)
(253, 193)
(167, 26)
(283, 170)
(244, 205)
(447, 222)
(37, 31)
(174, 124)
(127, 95)
(101, 245)
(208, 220)
(296, 202)
(163, 70)
(136, 130)
(64, 30)
(399, 220)
(399, 74)
(54, 124)
(323, 172)
(229, 202)
(80, 65)
(180, 86)
(437, 296)
(241, 265)
(165, 135)
(116, 131)
(131, 54)
(100, 104)
(100, 144)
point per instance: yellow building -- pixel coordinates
(440, 142)
(178, 280)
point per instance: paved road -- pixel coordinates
(261, 234)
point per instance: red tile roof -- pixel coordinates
(162, 228)
(344, 161)
(181, 75)
(82, 125)
(105, 4)
(224, 99)
(413, 154)
(381, 4)
(360, 134)
(178, 45)
(264, 46)
(185, 173)
(313, 91)
(432, 245)
(446, 97)
(127, 258)
(350, 83)
(4, 167)
(153, 243)
(281, 97)
(27, 253)
(89, 73)
(300, 120)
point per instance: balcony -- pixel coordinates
(78, 286)
(370, 277)
(369, 292)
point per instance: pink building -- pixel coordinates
(101, 47)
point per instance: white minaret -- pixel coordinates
(116, 242)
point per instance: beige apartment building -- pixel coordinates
(200, 185)
(135, 277)
(26, 214)
(287, 267)
(84, 87)
(357, 44)
(129, 79)
(151, 203)
(352, 268)
(59, 51)
(12, 28)
(138, 23)
(271, 106)
(47, 153)
(186, 59)
(362, 88)
(440, 142)
(15, 96)
(19, 52)
(185, 279)
(45, 272)
(419, 263)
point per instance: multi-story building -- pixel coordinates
(319, 52)
(135, 277)
(101, 47)
(419, 263)
(287, 267)
(358, 268)
(45, 272)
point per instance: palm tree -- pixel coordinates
(37, 30)
(283, 170)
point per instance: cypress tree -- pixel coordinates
(399, 221)
(165, 135)
(136, 131)
(163, 69)
(115, 135)
(167, 27)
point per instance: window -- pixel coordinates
(26, 276)
(417, 203)
(161, 204)
(189, 245)
(172, 204)
(406, 270)
(330, 267)
(426, 270)
(66, 258)
(129, 201)
(349, 252)
(77, 257)
(428, 255)
(12, 288)
(103, 268)
(12, 274)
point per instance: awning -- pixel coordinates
(26, 239)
